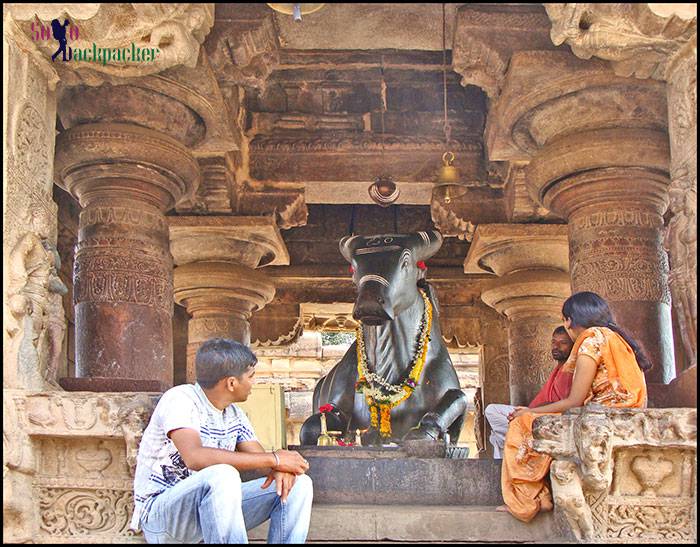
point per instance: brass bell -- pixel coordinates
(448, 188)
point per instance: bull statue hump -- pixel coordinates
(405, 386)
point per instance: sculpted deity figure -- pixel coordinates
(36, 318)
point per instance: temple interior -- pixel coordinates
(149, 206)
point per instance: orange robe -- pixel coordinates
(619, 383)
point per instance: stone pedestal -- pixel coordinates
(531, 262)
(216, 277)
(125, 178)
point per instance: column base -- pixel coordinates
(112, 384)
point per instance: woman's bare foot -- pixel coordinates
(546, 504)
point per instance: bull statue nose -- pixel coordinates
(371, 308)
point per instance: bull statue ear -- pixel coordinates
(347, 247)
(426, 244)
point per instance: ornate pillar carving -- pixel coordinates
(531, 262)
(598, 153)
(681, 236)
(125, 176)
(216, 277)
(615, 227)
(654, 41)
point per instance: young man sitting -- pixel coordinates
(188, 487)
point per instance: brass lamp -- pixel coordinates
(297, 10)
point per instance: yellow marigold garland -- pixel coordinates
(379, 401)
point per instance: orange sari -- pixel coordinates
(619, 383)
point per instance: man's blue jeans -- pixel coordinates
(213, 505)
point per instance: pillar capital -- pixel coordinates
(583, 170)
(112, 162)
(208, 287)
(507, 248)
(247, 241)
(221, 297)
(550, 94)
(526, 294)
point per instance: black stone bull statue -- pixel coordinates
(405, 387)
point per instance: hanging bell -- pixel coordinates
(447, 187)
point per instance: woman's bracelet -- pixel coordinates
(277, 458)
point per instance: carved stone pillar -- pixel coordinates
(531, 262)
(614, 199)
(216, 277)
(598, 152)
(654, 41)
(681, 236)
(125, 178)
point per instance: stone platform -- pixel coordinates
(404, 495)
(412, 523)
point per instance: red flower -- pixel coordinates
(421, 265)
(343, 443)
(351, 269)
(326, 408)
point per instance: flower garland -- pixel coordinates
(381, 396)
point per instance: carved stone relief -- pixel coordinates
(623, 475)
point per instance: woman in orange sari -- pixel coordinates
(608, 368)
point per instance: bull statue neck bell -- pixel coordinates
(396, 381)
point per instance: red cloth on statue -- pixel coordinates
(555, 389)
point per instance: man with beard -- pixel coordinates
(555, 389)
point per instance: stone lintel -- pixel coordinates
(250, 241)
(486, 35)
(507, 248)
(547, 94)
(357, 156)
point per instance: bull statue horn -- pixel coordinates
(346, 247)
(427, 244)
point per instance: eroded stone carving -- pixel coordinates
(176, 30)
(36, 322)
(638, 41)
(623, 474)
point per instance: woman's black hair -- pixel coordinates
(587, 309)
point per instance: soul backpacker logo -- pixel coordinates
(61, 32)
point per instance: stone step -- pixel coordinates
(410, 523)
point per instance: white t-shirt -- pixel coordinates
(159, 465)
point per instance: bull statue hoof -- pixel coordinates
(397, 310)
(424, 432)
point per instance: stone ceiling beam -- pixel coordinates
(486, 36)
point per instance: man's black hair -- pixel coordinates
(219, 358)
(560, 330)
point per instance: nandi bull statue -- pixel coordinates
(397, 380)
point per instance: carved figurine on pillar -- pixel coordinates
(36, 319)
